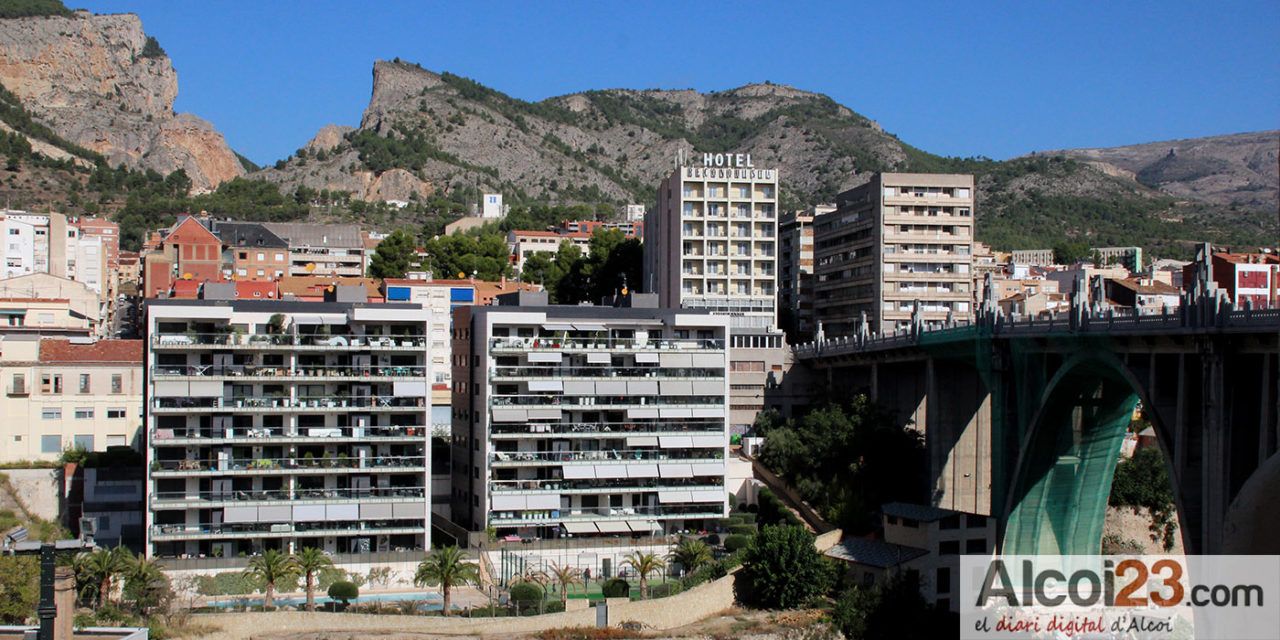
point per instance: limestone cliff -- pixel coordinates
(87, 78)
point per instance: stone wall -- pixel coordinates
(665, 613)
(39, 489)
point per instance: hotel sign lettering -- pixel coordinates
(730, 166)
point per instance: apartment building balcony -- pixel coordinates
(522, 430)
(599, 486)
(617, 402)
(287, 466)
(624, 456)
(570, 345)
(196, 436)
(181, 500)
(256, 404)
(556, 516)
(268, 342)
(298, 373)
(926, 236)
(171, 532)
(521, 373)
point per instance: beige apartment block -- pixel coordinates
(60, 394)
(711, 243)
(901, 241)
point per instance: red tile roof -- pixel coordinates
(248, 290)
(53, 350)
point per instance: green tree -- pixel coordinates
(269, 569)
(394, 255)
(310, 562)
(894, 610)
(1142, 481)
(781, 569)
(447, 568)
(152, 49)
(145, 584)
(344, 590)
(462, 255)
(97, 570)
(1070, 251)
(566, 576)
(19, 588)
(644, 565)
(692, 554)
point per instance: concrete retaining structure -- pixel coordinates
(40, 490)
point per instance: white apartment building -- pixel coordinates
(901, 241)
(711, 242)
(526, 243)
(586, 421)
(286, 425)
(19, 246)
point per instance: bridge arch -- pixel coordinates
(1067, 459)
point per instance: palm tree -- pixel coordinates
(144, 579)
(691, 553)
(310, 562)
(566, 576)
(100, 568)
(447, 567)
(644, 564)
(269, 568)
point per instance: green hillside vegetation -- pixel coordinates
(33, 8)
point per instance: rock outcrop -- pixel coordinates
(87, 78)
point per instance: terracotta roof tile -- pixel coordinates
(54, 350)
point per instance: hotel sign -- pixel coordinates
(727, 166)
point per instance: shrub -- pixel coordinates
(616, 588)
(712, 540)
(735, 542)
(344, 591)
(747, 518)
(731, 521)
(526, 593)
(742, 530)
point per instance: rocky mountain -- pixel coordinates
(1241, 169)
(99, 82)
(425, 134)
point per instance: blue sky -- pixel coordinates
(958, 78)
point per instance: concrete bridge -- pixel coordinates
(1024, 419)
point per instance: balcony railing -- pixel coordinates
(561, 515)
(705, 453)
(182, 499)
(289, 464)
(606, 371)
(159, 435)
(260, 403)
(613, 429)
(605, 401)
(590, 344)
(603, 485)
(287, 529)
(285, 372)
(179, 340)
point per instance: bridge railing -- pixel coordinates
(1186, 319)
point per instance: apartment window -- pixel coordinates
(975, 521)
(115, 414)
(84, 383)
(950, 522)
(84, 442)
(949, 548)
(261, 256)
(117, 383)
(942, 581)
(50, 444)
(117, 440)
(747, 366)
(975, 546)
(51, 413)
(279, 257)
(19, 385)
(51, 383)
(84, 413)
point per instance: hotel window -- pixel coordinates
(51, 413)
(117, 383)
(84, 413)
(115, 414)
(84, 383)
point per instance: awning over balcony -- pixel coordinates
(708, 441)
(643, 387)
(675, 470)
(580, 527)
(643, 441)
(309, 513)
(708, 387)
(611, 387)
(707, 495)
(579, 326)
(546, 501)
(540, 357)
(507, 503)
(613, 526)
(553, 326)
(647, 358)
(708, 360)
(546, 385)
(675, 442)
(510, 415)
(708, 469)
(376, 511)
(544, 413)
(642, 471)
(599, 358)
(668, 496)
(579, 471)
(676, 413)
(708, 413)
(410, 510)
(676, 388)
(677, 360)
(611, 471)
(579, 387)
(643, 526)
(343, 512)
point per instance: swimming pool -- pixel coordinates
(431, 601)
